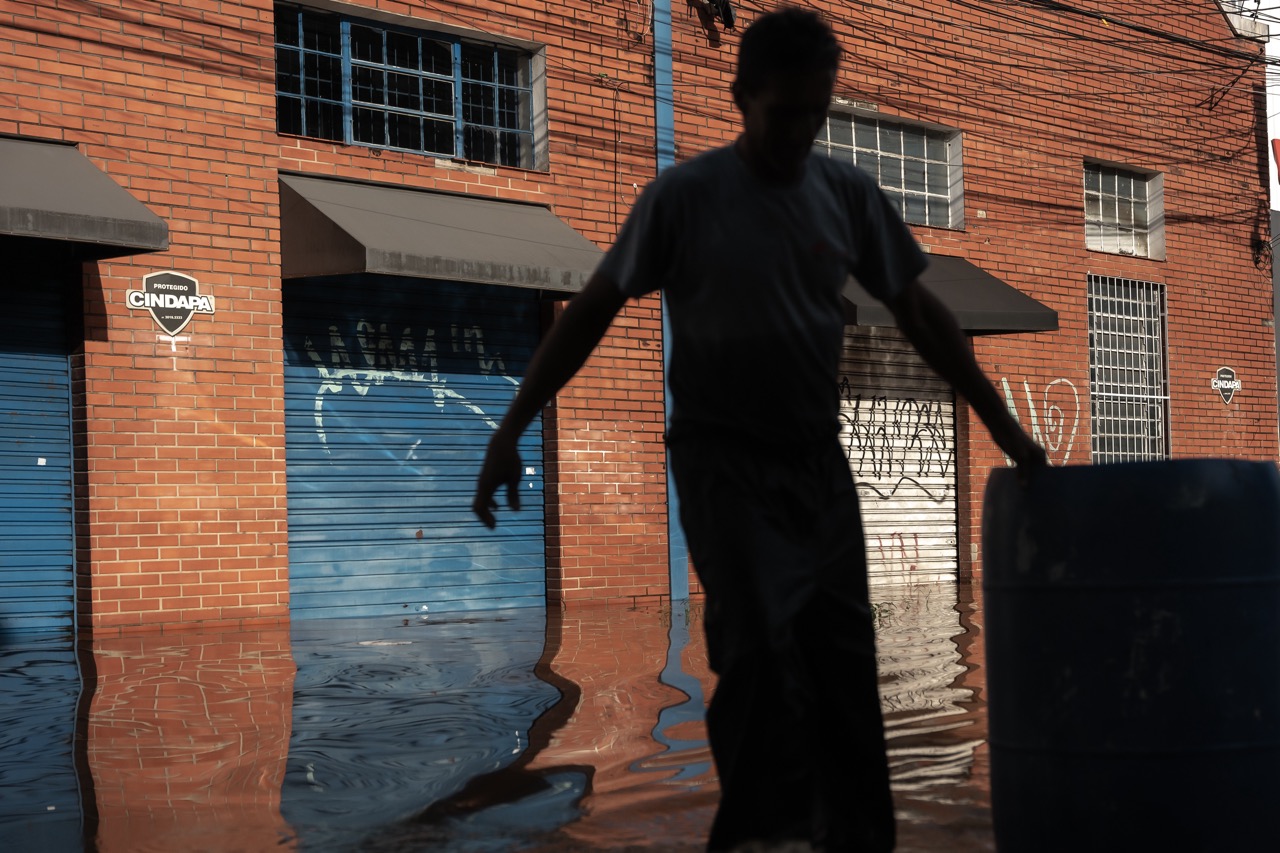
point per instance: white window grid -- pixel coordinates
(913, 165)
(1128, 378)
(367, 83)
(1117, 210)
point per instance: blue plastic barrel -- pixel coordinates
(1133, 657)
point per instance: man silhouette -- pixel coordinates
(751, 244)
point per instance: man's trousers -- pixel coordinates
(795, 727)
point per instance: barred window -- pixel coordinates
(918, 168)
(367, 83)
(1128, 382)
(1123, 211)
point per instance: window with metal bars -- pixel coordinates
(918, 168)
(1123, 211)
(1128, 379)
(367, 83)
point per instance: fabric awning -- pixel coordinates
(336, 227)
(982, 303)
(50, 191)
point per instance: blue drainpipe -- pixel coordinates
(664, 123)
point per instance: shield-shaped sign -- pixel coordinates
(1226, 383)
(172, 298)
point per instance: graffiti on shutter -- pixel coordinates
(898, 431)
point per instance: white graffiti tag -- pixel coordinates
(387, 359)
(1054, 418)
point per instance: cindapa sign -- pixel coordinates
(1225, 383)
(172, 299)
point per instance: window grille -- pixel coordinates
(366, 83)
(1128, 382)
(913, 165)
(1118, 210)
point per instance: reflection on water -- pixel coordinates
(391, 718)
(923, 689)
(185, 740)
(506, 730)
(39, 790)
(931, 681)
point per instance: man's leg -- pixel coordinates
(728, 507)
(836, 635)
(795, 725)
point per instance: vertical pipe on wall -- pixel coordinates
(664, 121)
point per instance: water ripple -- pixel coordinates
(389, 719)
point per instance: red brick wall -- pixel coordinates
(608, 519)
(181, 486)
(606, 512)
(1035, 93)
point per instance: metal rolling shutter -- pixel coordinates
(37, 544)
(393, 387)
(898, 429)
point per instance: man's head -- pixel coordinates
(786, 43)
(786, 71)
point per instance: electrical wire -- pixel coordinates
(1029, 49)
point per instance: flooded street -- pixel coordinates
(494, 731)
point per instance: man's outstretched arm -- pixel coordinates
(572, 338)
(933, 331)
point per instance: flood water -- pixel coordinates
(494, 731)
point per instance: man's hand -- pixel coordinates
(572, 338)
(501, 466)
(1024, 452)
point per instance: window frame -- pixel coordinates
(330, 105)
(949, 162)
(1114, 236)
(1128, 369)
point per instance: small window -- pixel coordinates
(918, 168)
(1123, 211)
(366, 83)
(1128, 381)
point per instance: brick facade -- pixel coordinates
(181, 493)
(1035, 93)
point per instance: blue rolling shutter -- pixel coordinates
(393, 387)
(37, 546)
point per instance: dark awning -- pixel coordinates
(982, 303)
(334, 227)
(50, 191)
